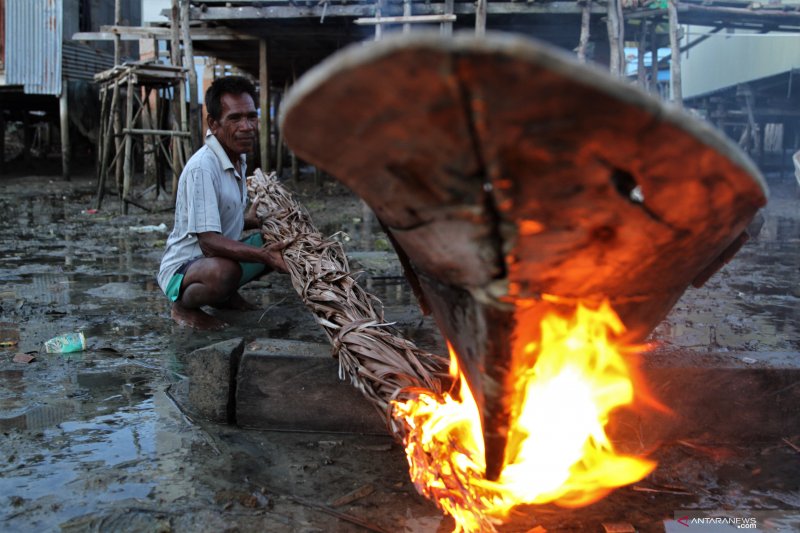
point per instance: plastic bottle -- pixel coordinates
(66, 343)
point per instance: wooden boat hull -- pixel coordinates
(518, 181)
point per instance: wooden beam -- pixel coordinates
(195, 127)
(263, 104)
(365, 10)
(405, 19)
(134, 33)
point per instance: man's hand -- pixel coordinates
(251, 219)
(273, 255)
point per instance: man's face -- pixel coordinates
(237, 128)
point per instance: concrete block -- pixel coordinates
(211, 373)
(292, 385)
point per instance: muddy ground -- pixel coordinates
(93, 442)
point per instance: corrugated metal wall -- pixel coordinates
(33, 45)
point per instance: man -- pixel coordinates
(204, 262)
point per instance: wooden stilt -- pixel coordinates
(675, 61)
(263, 104)
(2, 141)
(654, 60)
(194, 107)
(641, 73)
(447, 27)
(614, 24)
(63, 115)
(586, 19)
(178, 99)
(480, 17)
(127, 163)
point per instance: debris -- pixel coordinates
(791, 445)
(9, 334)
(89, 211)
(361, 492)
(638, 488)
(618, 527)
(748, 360)
(24, 358)
(66, 343)
(148, 229)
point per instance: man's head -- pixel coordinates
(232, 115)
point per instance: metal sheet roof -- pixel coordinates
(33, 45)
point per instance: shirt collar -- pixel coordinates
(219, 151)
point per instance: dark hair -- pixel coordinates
(227, 84)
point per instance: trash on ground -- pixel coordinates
(66, 343)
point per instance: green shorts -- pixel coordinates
(250, 271)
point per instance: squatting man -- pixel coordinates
(205, 263)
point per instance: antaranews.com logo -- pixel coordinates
(721, 521)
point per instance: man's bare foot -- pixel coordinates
(237, 303)
(195, 318)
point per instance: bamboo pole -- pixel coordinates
(586, 19)
(194, 109)
(675, 61)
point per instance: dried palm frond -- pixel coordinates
(376, 359)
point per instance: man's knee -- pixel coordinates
(225, 277)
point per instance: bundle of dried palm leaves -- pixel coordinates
(378, 362)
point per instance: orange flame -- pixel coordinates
(557, 451)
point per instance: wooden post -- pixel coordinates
(654, 59)
(480, 18)
(279, 155)
(2, 141)
(118, 145)
(675, 61)
(108, 135)
(117, 36)
(641, 74)
(446, 28)
(616, 38)
(295, 168)
(63, 114)
(178, 100)
(586, 19)
(378, 26)
(27, 137)
(126, 186)
(406, 13)
(263, 104)
(194, 110)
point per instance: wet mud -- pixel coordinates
(93, 440)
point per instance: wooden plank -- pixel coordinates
(520, 182)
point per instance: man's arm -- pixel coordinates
(214, 244)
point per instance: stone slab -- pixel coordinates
(292, 385)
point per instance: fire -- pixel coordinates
(558, 450)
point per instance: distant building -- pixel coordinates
(43, 74)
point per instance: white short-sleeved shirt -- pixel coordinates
(211, 197)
